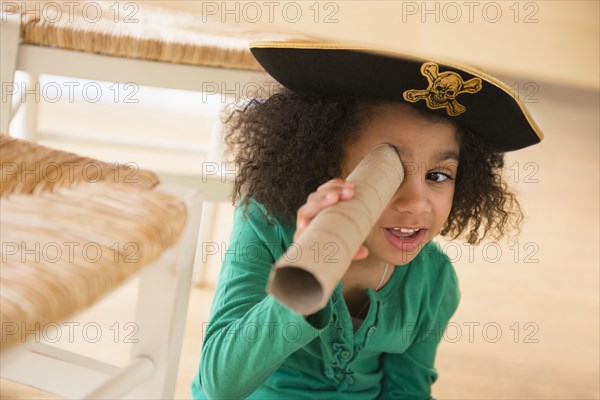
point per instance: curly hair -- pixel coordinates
(284, 147)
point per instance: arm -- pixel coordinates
(411, 374)
(250, 334)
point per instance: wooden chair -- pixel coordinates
(142, 44)
(137, 228)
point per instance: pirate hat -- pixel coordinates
(472, 98)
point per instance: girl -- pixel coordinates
(377, 336)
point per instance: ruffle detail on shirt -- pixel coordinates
(343, 377)
(338, 371)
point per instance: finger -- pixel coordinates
(309, 210)
(337, 182)
(345, 191)
(346, 188)
(326, 195)
(317, 201)
(361, 254)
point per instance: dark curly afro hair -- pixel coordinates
(284, 147)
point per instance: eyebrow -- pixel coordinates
(447, 155)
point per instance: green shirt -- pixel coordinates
(254, 347)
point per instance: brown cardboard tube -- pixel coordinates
(306, 275)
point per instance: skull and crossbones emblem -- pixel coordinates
(443, 89)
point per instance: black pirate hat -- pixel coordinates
(474, 99)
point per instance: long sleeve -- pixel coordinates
(250, 334)
(410, 375)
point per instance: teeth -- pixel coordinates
(405, 230)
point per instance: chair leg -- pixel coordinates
(207, 227)
(9, 48)
(162, 309)
(209, 208)
(31, 109)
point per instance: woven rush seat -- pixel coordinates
(29, 168)
(147, 33)
(67, 242)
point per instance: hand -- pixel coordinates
(325, 196)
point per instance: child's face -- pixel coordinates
(429, 154)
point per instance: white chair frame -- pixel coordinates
(152, 370)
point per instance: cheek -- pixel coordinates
(443, 204)
(347, 166)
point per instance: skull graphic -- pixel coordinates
(443, 89)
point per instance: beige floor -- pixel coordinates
(528, 326)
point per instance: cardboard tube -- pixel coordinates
(306, 275)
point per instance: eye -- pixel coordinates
(439, 177)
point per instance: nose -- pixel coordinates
(412, 196)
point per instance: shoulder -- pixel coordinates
(255, 243)
(253, 225)
(439, 283)
(436, 265)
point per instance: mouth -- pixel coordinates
(405, 238)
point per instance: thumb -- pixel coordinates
(361, 254)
